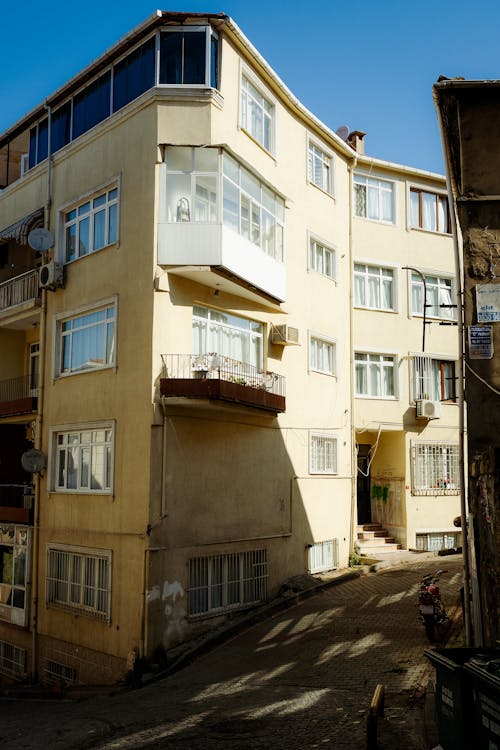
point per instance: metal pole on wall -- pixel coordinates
(415, 270)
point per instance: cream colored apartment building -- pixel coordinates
(181, 351)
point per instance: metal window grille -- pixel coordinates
(323, 452)
(56, 672)
(438, 540)
(223, 582)
(323, 556)
(12, 659)
(79, 582)
(435, 468)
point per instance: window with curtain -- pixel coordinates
(322, 453)
(433, 379)
(374, 375)
(373, 198)
(322, 354)
(435, 468)
(228, 335)
(79, 580)
(84, 460)
(257, 114)
(373, 287)
(438, 298)
(91, 225)
(321, 258)
(319, 168)
(86, 342)
(429, 211)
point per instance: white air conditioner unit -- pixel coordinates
(428, 409)
(284, 335)
(25, 163)
(51, 275)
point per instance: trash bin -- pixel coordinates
(484, 676)
(455, 713)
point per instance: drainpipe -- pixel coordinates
(39, 422)
(354, 456)
(461, 377)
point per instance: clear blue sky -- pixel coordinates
(369, 65)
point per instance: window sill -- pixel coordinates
(64, 375)
(328, 193)
(431, 231)
(90, 255)
(376, 221)
(258, 143)
(368, 397)
(435, 492)
(90, 493)
(376, 309)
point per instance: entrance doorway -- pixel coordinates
(363, 484)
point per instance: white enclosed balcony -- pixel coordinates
(220, 225)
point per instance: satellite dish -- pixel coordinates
(343, 132)
(33, 461)
(40, 239)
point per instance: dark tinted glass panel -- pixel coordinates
(182, 57)
(134, 75)
(32, 160)
(43, 141)
(214, 62)
(171, 57)
(61, 121)
(92, 105)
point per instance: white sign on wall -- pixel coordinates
(488, 303)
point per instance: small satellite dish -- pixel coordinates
(343, 132)
(33, 461)
(40, 239)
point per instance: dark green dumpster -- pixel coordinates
(484, 676)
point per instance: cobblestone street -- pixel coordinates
(301, 679)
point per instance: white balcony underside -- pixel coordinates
(215, 249)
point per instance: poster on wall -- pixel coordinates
(480, 342)
(488, 303)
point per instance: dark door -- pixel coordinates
(363, 484)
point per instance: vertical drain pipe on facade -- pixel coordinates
(354, 454)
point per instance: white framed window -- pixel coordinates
(91, 224)
(15, 551)
(322, 258)
(429, 211)
(319, 167)
(86, 341)
(435, 468)
(219, 583)
(375, 375)
(228, 335)
(374, 198)
(78, 580)
(374, 287)
(12, 659)
(433, 541)
(322, 355)
(322, 453)
(83, 458)
(438, 296)
(432, 378)
(323, 556)
(257, 113)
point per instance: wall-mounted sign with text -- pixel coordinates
(488, 303)
(480, 342)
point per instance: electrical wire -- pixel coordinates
(482, 380)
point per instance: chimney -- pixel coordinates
(356, 140)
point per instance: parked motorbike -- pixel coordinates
(430, 605)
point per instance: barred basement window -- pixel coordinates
(12, 659)
(435, 469)
(323, 556)
(56, 672)
(224, 582)
(436, 541)
(79, 581)
(322, 453)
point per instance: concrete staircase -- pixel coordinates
(373, 540)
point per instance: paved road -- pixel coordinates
(301, 679)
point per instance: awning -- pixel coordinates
(20, 230)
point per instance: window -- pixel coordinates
(192, 184)
(252, 209)
(55, 672)
(227, 335)
(435, 541)
(433, 379)
(321, 258)
(189, 57)
(223, 582)
(375, 376)
(15, 546)
(319, 168)
(84, 460)
(12, 659)
(257, 114)
(323, 556)
(79, 580)
(438, 298)
(322, 355)
(373, 198)
(373, 287)
(435, 468)
(34, 367)
(91, 225)
(322, 453)
(86, 342)
(92, 105)
(429, 211)
(134, 74)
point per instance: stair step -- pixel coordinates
(370, 527)
(376, 542)
(384, 549)
(372, 534)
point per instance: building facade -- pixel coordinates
(188, 358)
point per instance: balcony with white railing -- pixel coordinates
(20, 299)
(219, 378)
